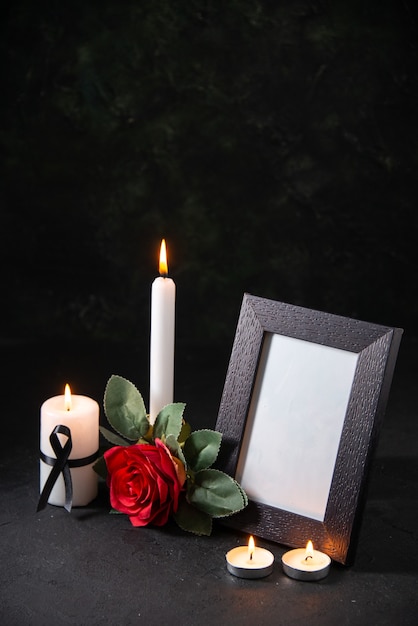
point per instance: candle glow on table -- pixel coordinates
(249, 561)
(81, 415)
(306, 563)
(163, 298)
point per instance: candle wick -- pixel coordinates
(251, 556)
(308, 557)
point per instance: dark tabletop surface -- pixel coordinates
(89, 567)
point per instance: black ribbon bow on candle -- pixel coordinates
(60, 464)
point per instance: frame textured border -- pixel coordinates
(377, 347)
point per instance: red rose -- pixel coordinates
(145, 482)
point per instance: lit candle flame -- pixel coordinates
(309, 550)
(163, 259)
(251, 547)
(67, 398)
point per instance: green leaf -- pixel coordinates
(216, 493)
(100, 467)
(175, 449)
(125, 409)
(201, 449)
(192, 520)
(113, 437)
(169, 421)
(186, 429)
(244, 495)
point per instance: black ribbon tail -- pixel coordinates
(60, 465)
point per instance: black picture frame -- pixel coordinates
(375, 348)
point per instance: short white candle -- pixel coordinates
(249, 561)
(306, 563)
(163, 298)
(82, 418)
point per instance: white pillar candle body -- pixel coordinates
(163, 297)
(83, 421)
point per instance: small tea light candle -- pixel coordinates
(249, 561)
(306, 563)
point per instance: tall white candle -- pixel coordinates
(81, 415)
(163, 298)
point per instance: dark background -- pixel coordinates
(273, 144)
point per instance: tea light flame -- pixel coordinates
(67, 397)
(309, 551)
(163, 267)
(251, 547)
